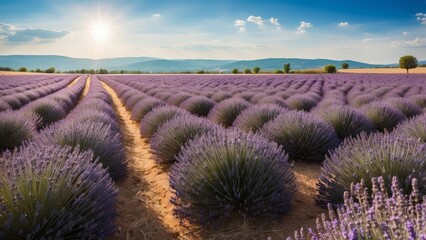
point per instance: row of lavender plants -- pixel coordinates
(19, 125)
(224, 174)
(15, 98)
(22, 82)
(60, 185)
(215, 174)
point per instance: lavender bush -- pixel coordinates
(302, 135)
(99, 138)
(16, 127)
(254, 117)
(178, 98)
(157, 117)
(383, 116)
(198, 105)
(408, 108)
(383, 214)
(368, 156)
(345, 120)
(242, 174)
(141, 108)
(166, 143)
(49, 110)
(414, 127)
(54, 193)
(228, 110)
(301, 102)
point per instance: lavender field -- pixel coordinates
(321, 156)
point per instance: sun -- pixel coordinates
(100, 32)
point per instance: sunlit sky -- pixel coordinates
(373, 31)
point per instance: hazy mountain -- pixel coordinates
(65, 63)
(149, 64)
(295, 63)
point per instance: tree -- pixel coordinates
(50, 70)
(22, 69)
(287, 67)
(38, 70)
(330, 68)
(103, 71)
(200, 72)
(408, 62)
(235, 70)
(256, 69)
(247, 71)
(345, 65)
(279, 71)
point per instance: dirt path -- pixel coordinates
(86, 88)
(144, 210)
(73, 82)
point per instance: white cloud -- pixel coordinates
(256, 20)
(368, 40)
(157, 15)
(343, 24)
(417, 42)
(30, 35)
(421, 17)
(303, 26)
(274, 21)
(405, 33)
(240, 24)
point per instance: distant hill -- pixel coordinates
(149, 64)
(295, 63)
(65, 63)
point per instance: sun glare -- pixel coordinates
(101, 32)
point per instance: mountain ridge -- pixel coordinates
(152, 64)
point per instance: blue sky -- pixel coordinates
(374, 31)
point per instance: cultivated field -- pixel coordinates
(418, 70)
(212, 156)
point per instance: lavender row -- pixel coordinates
(23, 124)
(56, 186)
(301, 135)
(92, 125)
(18, 97)
(214, 180)
(19, 83)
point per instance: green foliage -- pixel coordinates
(235, 71)
(6, 69)
(287, 67)
(247, 71)
(278, 71)
(256, 69)
(200, 72)
(22, 69)
(102, 71)
(345, 65)
(50, 70)
(38, 70)
(330, 68)
(408, 62)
